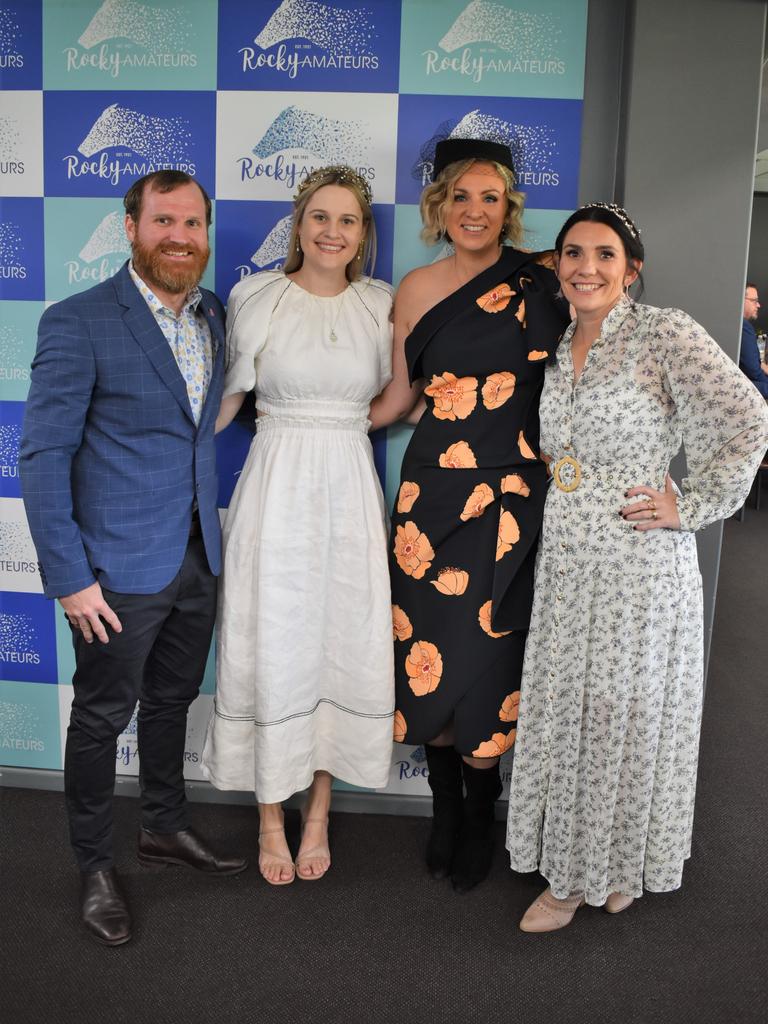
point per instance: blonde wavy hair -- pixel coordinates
(365, 260)
(436, 198)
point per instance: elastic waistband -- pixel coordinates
(274, 424)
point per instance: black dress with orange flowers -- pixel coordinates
(470, 505)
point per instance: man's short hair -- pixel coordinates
(161, 181)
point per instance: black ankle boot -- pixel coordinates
(474, 853)
(447, 798)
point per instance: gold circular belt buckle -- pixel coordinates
(567, 474)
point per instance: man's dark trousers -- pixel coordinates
(158, 659)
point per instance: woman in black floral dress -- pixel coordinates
(475, 329)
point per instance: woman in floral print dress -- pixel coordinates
(479, 326)
(601, 798)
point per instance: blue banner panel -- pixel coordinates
(544, 136)
(28, 639)
(29, 726)
(119, 44)
(21, 249)
(97, 144)
(344, 46)
(21, 45)
(249, 237)
(232, 447)
(11, 419)
(494, 47)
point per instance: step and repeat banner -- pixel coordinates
(248, 98)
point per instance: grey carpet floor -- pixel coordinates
(376, 941)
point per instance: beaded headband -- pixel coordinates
(344, 176)
(619, 213)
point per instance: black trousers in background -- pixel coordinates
(158, 659)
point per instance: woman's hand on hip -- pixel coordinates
(657, 511)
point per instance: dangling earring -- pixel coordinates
(298, 244)
(360, 249)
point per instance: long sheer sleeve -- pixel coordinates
(724, 420)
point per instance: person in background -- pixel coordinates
(304, 638)
(604, 775)
(749, 354)
(477, 328)
(119, 483)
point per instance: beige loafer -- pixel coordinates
(548, 914)
(617, 902)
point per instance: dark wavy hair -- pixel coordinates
(633, 247)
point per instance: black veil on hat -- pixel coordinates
(449, 151)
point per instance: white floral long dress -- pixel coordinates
(603, 781)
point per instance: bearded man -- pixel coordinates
(119, 482)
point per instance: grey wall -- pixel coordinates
(690, 97)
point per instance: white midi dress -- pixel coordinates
(304, 661)
(604, 773)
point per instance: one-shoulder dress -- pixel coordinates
(304, 676)
(469, 507)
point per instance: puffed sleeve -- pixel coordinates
(723, 419)
(249, 311)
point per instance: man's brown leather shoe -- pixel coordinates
(103, 909)
(185, 848)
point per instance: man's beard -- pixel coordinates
(159, 272)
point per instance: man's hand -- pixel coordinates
(85, 609)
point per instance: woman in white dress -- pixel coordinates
(603, 781)
(304, 634)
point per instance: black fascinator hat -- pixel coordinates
(449, 151)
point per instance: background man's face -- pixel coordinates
(751, 304)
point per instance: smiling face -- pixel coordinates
(474, 215)
(170, 240)
(593, 268)
(331, 229)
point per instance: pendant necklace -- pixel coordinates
(333, 336)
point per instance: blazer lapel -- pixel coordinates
(216, 324)
(215, 320)
(143, 326)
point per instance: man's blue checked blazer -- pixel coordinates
(111, 460)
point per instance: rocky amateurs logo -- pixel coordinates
(300, 140)
(159, 142)
(529, 43)
(347, 35)
(102, 255)
(11, 56)
(157, 39)
(534, 147)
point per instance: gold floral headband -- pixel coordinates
(619, 213)
(344, 176)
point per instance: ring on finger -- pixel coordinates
(651, 506)
(654, 514)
